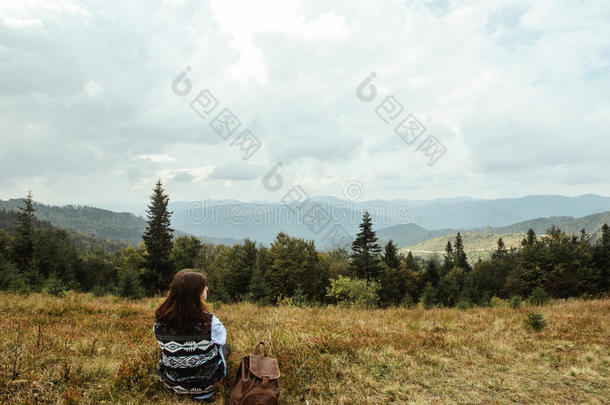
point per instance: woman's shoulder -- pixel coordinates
(207, 318)
(202, 325)
(215, 319)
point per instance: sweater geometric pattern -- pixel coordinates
(190, 362)
(189, 346)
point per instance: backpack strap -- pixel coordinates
(264, 347)
(245, 375)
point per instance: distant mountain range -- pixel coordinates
(261, 221)
(407, 222)
(506, 211)
(591, 223)
(458, 212)
(410, 234)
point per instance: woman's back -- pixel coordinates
(191, 361)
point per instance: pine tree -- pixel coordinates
(393, 276)
(249, 259)
(294, 269)
(129, 285)
(431, 274)
(185, 250)
(393, 284)
(259, 291)
(23, 245)
(429, 297)
(158, 240)
(449, 258)
(605, 239)
(500, 250)
(11, 278)
(411, 263)
(281, 277)
(603, 258)
(584, 237)
(390, 256)
(460, 255)
(55, 285)
(530, 238)
(413, 278)
(242, 261)
(365, 257)
(315, 279)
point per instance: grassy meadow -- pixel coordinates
(83, 349)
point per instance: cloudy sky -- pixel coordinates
(517, 93)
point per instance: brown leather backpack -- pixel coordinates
(258, 380)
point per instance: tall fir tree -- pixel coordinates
(501, 250)
(584, 236)
(259, 291)
(449, 257)
(129, 285)
(530, 239)
(390, 255)
(393, 276)
(159, 268)
(365, 257)
(460, 255)
(429, 297)
(242, 262)
(605, 239)
(603, 258)
(185, 251)
(413, 275)
(431, 274)
(393, 281)
(411, 263)
(23, 243)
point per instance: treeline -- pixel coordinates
(35, 256)
(556, 265)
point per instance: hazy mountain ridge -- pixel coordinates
(591, 223)
(261, 221)
(410, 234)
(230, 221)
(506, 211)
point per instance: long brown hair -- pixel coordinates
(183, 306)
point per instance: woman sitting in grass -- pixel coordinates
(192, 340)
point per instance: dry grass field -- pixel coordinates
(81, 349)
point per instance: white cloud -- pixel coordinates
(92, 88)
(157, 158)
(516, 91)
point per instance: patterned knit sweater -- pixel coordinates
(190, 362)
